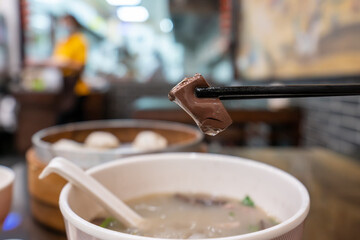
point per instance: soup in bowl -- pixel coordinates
(202, 184)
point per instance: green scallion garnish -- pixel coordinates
(247, 201)
(107, 222)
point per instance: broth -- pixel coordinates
(197, 216)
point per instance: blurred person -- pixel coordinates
(69, 55)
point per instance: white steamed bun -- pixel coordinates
(101, 140)
(66, 145)
(149, 141)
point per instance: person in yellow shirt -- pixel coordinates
(69, 55)
(70, 52)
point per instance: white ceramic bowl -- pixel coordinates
(7, 178)
(277, 192)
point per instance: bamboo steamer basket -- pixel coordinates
(44, 194)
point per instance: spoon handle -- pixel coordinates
(76, 176)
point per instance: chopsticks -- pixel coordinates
(282, 91)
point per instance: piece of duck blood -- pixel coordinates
(208, 113)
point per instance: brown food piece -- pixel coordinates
(200, 200)
(208, 113)
(98, 221)
(262, 225)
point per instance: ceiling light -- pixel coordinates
(123, 2)
(166, 25)
(133, 14)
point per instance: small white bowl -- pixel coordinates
(7, 177)
(278, 193)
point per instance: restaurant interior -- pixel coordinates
(72, 68)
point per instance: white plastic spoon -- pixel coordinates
(97, 191)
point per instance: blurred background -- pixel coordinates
(64, 61)
(133, 52)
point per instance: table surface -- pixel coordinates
(332, 180)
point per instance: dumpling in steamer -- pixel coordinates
(149, 141)
(67, 145)
(101, 140)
